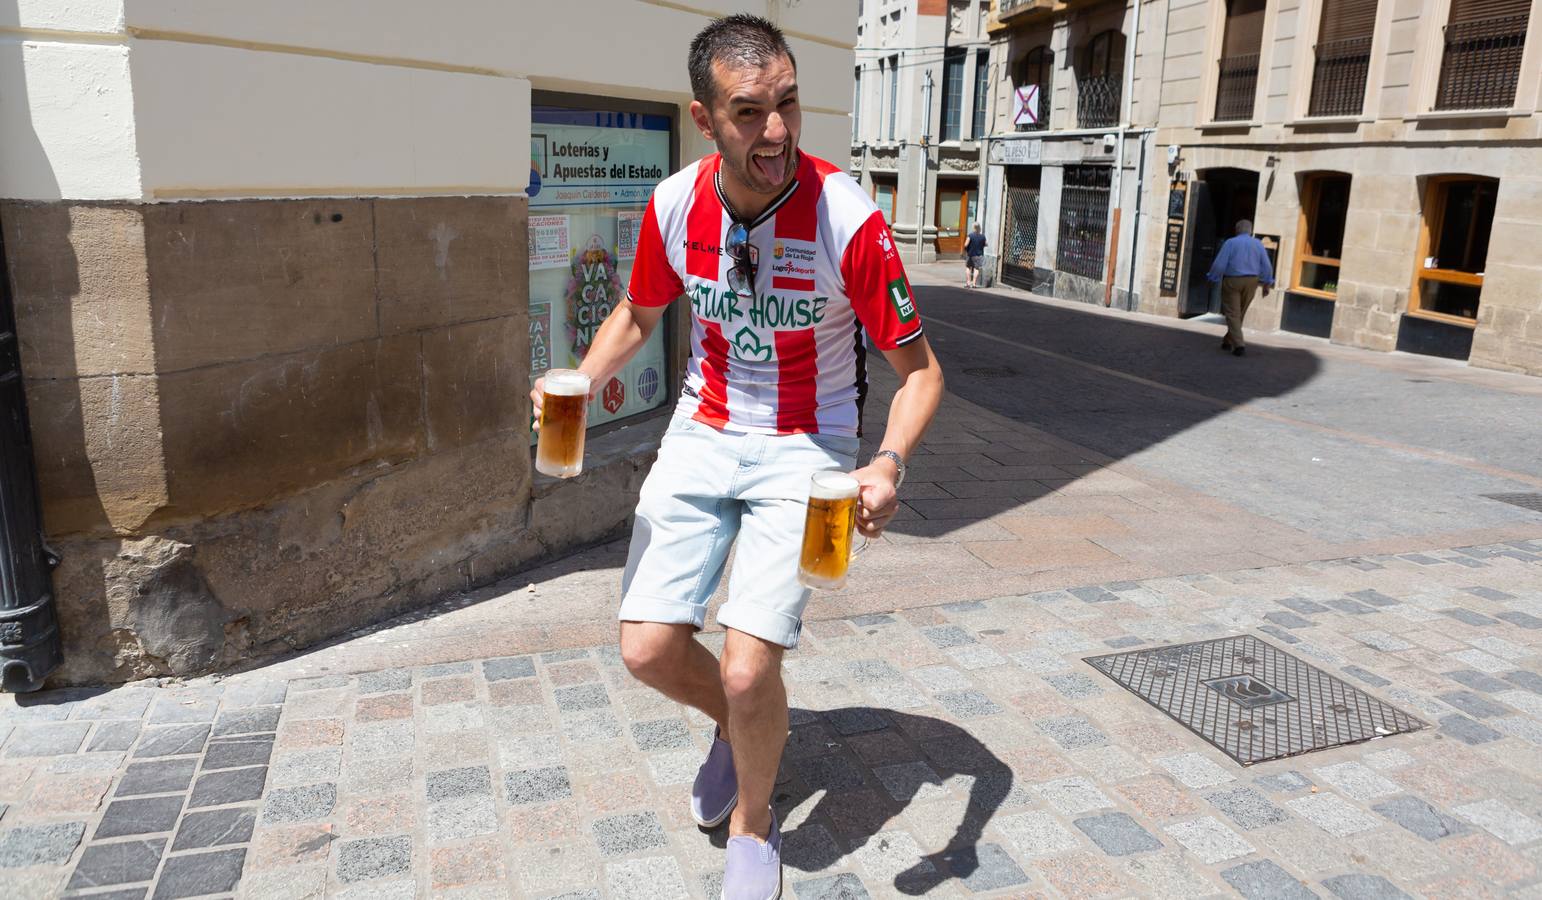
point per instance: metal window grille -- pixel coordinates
(1083, 220)
(1022, 227)
(1236, 88)
(1338, 78)
(1482, 63)
(1097, 101)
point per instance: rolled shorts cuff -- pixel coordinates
(638, 608)
(766, 624)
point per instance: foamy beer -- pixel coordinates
(559, 449)
(828, 530)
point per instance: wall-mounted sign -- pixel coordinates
(1015, 153)
(1176, 200)
(1172, 250)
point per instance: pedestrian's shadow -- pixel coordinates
(868, 765)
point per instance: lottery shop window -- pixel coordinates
(593, 165)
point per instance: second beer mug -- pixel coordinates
(829, 530)
(559, 449)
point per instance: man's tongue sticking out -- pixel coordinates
(771, 167)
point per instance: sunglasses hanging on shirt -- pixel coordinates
(741, 278)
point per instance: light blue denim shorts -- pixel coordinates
(706, 489)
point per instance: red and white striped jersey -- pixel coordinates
(791, 359)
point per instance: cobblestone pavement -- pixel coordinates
(948, 737)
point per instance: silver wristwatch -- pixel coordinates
(898, 464)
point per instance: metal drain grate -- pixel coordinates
(1252, 700)
(1532, 502)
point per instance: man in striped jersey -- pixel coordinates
(789, 269)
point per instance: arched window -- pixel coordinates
(1098, 80)
(1036, 67)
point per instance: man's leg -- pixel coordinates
(1245, 289)
(669, 659)
(1231, 307)
(757, 725)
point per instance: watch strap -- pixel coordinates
(898, 464)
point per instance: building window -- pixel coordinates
(1343, 57)
(893, 93)
(1481, 65)
(1320, 243)
(982, 69)
(856, 108)
(1036, 69)
(1238, 80)
(884, 192)
(1018, 257)
(952, 94)
(1458, 217)
(1098, 82)
(1083, 221)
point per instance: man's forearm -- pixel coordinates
(912, 409)
(618, 339)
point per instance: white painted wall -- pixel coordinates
(63, 15)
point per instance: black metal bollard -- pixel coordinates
(30, 645)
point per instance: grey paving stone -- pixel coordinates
(199, 874)
(590, 726)
(1279, 633)
(442, 669)
(594, 893)
(661, 734)
(1289, 620)
(1479, 681)
(537, 785)
(231, 753)
(1501, 820)
(123, 862)
(855, 720)
(844, 886)
(461, 817)
(1073, 796)
(1531, 681)
(118, 736)
(1073, 685)
(809, 847)
(1264, 880)
(171, 740)
(650, 878)
(118, 703)
(994, 869)
(1344, 604)
(1121, 643)
(834, 774)
(968, 704)
(319, 683)
(385, 682)
(870, 621)
(133, 893)
(1116, 834)
(228, 786)
(1468, 617)
(1209, 840)
(381, 739)
(160, 776)
(46, 739)
(1524, 620)
(1370, 678)
(1488, 593)
(1473, 704)
(1071, 732)
(253, 720)
(1374, 598)
(557, 656)
(371, 858)
(448, 784)
(1302, 605)
(1420, 559)
(1332, 814)
(910, 780)
(306, 767)
(1360, 886)
(300, 804)
(255, 693)
(184, 708)
(945, 636)
(1420, 818)
(581, 697)
(1247, 808)
(1357, 780)
(1093, 594)
(1467, 731)
(1195, 770)
(508, 667)
(39, 845)
(146, 815)
(629, 833)
(215, 828)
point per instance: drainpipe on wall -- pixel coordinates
(1126, 103)
(30, 646)
(926, 159)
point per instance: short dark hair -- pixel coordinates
(738, 41)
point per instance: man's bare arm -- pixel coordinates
(914, 405)
(620, 336)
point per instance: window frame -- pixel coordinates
(1215, 45)
(893, 95)
(978, 123)
(1022, 66)
(1309, 17)
(953, 59)
(1429, 58)
(1436, 193)
(1311, 198)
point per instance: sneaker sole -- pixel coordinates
(775, 896)
(713, 823)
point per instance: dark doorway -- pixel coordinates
(1020, 240)
(1217, 199)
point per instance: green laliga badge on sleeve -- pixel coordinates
(899, 295)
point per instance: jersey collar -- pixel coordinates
(781, 199)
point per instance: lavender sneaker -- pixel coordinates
(716, 790)
(754, 867)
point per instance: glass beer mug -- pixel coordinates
(829, 530)
(559, 449)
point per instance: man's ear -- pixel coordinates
(703, 119)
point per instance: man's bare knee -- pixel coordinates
(651, 651)
(747, 676)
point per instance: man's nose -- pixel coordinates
(776, 128)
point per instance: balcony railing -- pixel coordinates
(1236, 87)
(1338, 78)
(1482, 63)
(1097, 100)
(1006, 9)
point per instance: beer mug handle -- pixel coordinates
(857, 550)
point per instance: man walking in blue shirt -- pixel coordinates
(1240, 267)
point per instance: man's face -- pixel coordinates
(755, 121)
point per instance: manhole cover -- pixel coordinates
(991, 371)
(1532, 502)
(1252, 700)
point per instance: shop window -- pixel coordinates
(1084, 199)
(1481, 63)
(1237, 84)
(952, 94)
(593, 168)
(1320, 245)
(1036, 69)
(1342, 57)
(1458, 219)
(1099, 81)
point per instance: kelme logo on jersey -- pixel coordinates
(748, 345)
(899, 295)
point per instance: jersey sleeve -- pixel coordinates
(654, 281)
(876, 284)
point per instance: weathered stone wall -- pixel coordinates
(259, 423)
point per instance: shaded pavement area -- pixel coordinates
(1097, 482)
